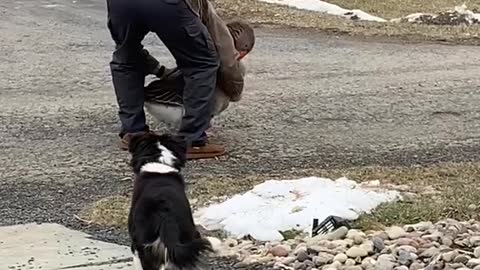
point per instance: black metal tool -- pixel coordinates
(330, 224)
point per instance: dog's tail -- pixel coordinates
(188, 254)
(182, 254)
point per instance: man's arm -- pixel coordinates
(231, 73)
(153, 67)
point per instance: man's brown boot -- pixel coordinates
(125, 141)
(208, 150)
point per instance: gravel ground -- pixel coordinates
(312, 101)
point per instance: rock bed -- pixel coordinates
(448, 244)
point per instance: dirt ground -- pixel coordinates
(312, 101)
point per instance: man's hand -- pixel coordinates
(164, 72)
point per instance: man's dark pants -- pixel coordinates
(186, 38)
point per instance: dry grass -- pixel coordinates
(458, 195)
(268, 14)
(458, 186)
(109, 212)
(390, 9)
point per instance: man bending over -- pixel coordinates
(164, 97)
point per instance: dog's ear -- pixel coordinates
(177, 145)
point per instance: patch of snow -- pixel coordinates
(411, 18)
(321, 6)
(460, 15)
(275, 206)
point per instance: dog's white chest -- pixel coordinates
(155, 167)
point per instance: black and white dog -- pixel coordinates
(160, 221)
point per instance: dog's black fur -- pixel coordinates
(160, 216)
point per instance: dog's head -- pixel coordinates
(153, 148)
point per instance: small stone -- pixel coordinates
(473, 263)
(414, 256)
(404, 257)
(240, 265)
(368, 246)
(322, 259)
(416, 266)
(463, 259)
(421, 226)
(355, 233)
(357, 240)
(300, 247)
(395, 232)
(336, 264)
(447, 241)
(319, 249)
(350, 262)
(457, 265)
(386, 250)
(427, 246)
(476, 252)
(401, 267)
(475, 241)
(382, 235)
(339, 233)
(368, 263)
(355, 252)
(461, 242)
(299, 266)
(265, 259)
(430, 252)
(358, 260)
(340, 258)
(278, 265)
(378, 244)
(309, 264)
(352, 267)
(449, 256)
(288, 260)
(250, 260)
(280, 251)
(302, 256)
(407, 242)
(408, 249)
(385, 262)
(420, 242)
(438, 265)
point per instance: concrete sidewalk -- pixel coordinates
(53, 246)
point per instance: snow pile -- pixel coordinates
(276, 206)
(321, 6)
(458, 16)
